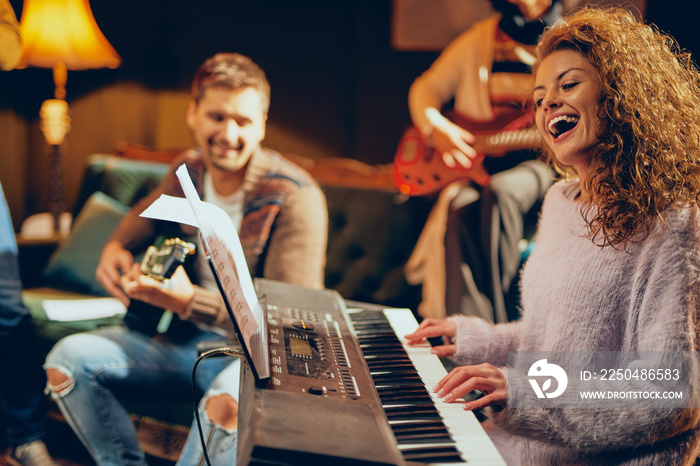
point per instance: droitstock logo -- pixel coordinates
(546, 372)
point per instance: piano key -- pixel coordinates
(422, 438)
(395, 372)
(415, 428)
(378, 364)
(463, 425)
(432, 455)
(470, 437)
(390, 377)
(405, 398)
(416, 388)
(421, 432)
(377, 330)
(422, 412)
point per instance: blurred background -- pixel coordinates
(339, 71)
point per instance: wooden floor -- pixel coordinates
(66, 449)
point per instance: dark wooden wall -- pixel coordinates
(338, 86)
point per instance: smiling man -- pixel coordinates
(281, 216)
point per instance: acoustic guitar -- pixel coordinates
(159, 263)
(419, 171)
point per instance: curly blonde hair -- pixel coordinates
(648, 157)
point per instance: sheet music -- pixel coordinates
(220, 238)
(65, 310)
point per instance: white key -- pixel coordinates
(471, 439)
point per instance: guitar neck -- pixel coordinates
(506, 141)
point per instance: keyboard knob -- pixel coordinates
(315, 390)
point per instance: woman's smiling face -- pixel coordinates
(566, 94)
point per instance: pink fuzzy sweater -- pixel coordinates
(580, 297)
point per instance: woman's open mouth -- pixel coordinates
(562, 124)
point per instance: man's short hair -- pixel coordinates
(234, 71)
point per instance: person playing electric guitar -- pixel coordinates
(469, 253)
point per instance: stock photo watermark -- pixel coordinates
(603, 379)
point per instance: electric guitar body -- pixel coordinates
(419, 171)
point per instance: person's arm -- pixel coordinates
(10, 41)
(469, 339)
(132, 232)
(296, 254)
(116, 258)
(437, 86)
(178, 295)
(661, 314)
(478, 346)
(478, 341)
(297, 249)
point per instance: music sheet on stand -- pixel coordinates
(220, 238)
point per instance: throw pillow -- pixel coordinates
(72, 266)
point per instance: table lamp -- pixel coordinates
(61, 35)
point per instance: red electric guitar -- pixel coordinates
(419, 171)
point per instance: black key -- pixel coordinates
(432, 455)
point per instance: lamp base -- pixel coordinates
(56, 204)
(55, 124)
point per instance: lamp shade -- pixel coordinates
(63, 32)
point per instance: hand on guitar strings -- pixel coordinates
(464, 379)
(453, 143)
(432, 328)
(174, 294)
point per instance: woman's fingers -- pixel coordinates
(465, 379)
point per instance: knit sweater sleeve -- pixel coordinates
(658, 311)
(479, 341)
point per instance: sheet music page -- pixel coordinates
(65, 310)
(221, 240)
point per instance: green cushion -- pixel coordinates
(72, 266)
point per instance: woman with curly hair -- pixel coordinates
(616, 269)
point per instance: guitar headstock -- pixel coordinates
(164, 257)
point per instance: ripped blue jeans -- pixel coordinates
(113, 364)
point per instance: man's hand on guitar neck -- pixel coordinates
(174, 294)
(451, 141)
(122, 278)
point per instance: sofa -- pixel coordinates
(372, 231)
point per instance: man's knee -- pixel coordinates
(222, 410)
(59, 381)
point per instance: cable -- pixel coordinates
(226, 350)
